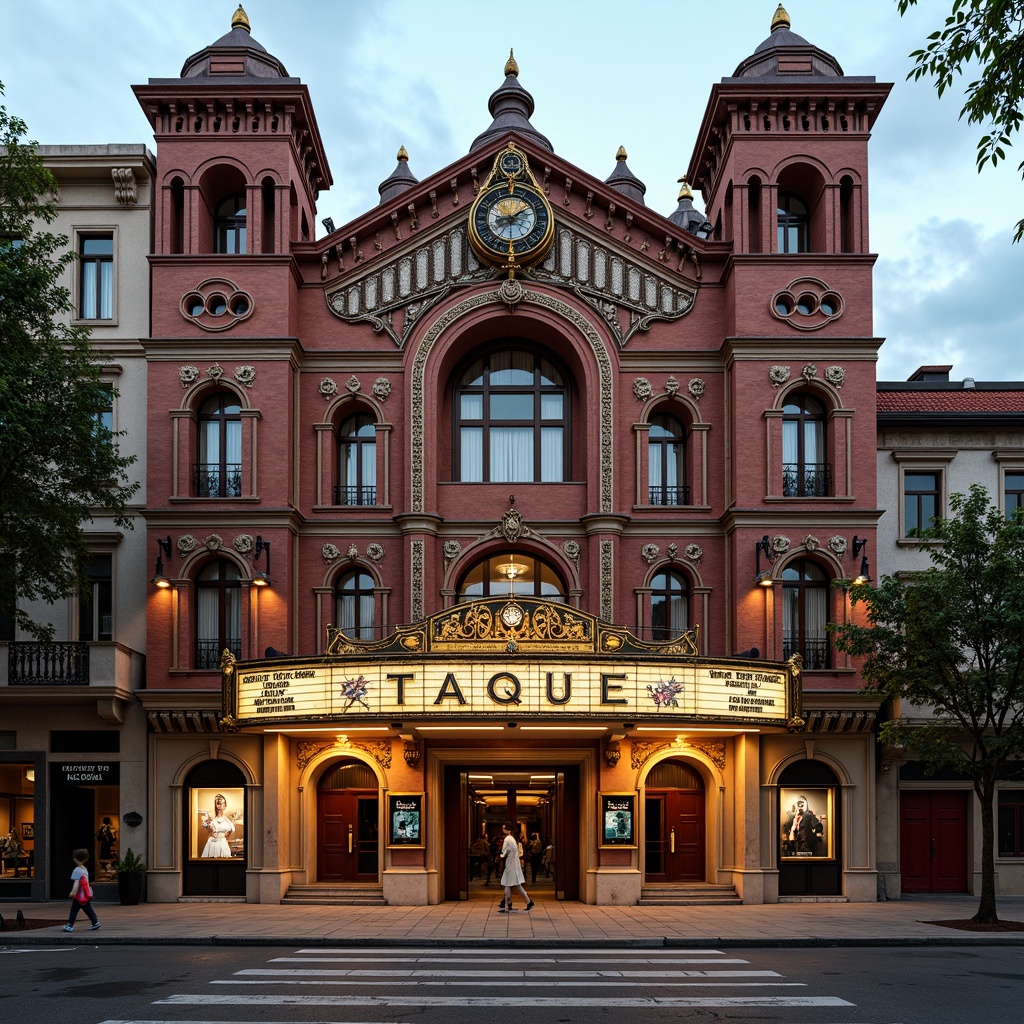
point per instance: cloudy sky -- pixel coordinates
(603, 73)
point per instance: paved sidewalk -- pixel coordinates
(550, 923)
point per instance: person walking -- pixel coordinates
(536, 856)
(512, 877)
(81, 892)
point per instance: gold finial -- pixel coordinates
(240, 19)
(511, 67)
(621, 154)
(402, 154)
(684, 191)
(781, 19)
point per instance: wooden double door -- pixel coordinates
(348, 836)
(674, 836)
(933, 840)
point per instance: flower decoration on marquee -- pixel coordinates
(665, 694)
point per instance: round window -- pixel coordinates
(217, 305)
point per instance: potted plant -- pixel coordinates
(130, 873)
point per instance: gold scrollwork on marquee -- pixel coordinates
(379, 750)
(540, 624)
(713, 750)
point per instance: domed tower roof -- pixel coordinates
(510, 106)
(623, 180)
(235, 53)
(400, 180)
(687, 216)
(785, 54)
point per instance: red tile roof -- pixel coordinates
(992, 403)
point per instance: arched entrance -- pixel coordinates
(674, 824)
(348, 824)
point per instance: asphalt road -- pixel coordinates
(238, 985)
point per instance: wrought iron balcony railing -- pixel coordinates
(214, 480)
(809, 480)
(355, 494)
(48, 664)
(668, 494)
(208, 652)
(817, 654)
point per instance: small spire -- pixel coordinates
(621, 154)
(781, 19)
(403, 154)
(241, 19)
(511, 67)
(684, 188)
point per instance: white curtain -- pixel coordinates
(471, 454)
(511, 454)
(790, 439)
(551, 454)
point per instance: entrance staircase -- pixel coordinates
(688, 894)
(338, 895)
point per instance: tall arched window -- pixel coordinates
(511, 420)
(670, 606)
(229, 224)
(805, 613)
(357, 462)
(794, 223)
(218, 613)
(356, 605)
(218, 472)
(666, 465)
(532, 578)
(805, 473)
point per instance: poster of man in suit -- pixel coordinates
(806, 822)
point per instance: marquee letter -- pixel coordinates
(566, 689)
(400, 678)
(450, 688)
(511, 692)
(607, 686)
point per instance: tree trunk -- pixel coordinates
(985, 788)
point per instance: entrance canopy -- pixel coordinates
(511, 658)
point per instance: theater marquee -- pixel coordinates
(541, 661)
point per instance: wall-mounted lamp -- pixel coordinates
(261, 579)
(163, 547)
(764, 578)
(864, 576)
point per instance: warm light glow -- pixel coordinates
(161, 581)
(460, 728)
(330, 732)
(563, 728)
(765, 579)
(669, 728)
(261, 580)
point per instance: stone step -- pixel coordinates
(696, 894)
(340, 895)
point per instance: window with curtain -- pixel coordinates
(669, 606)
(511, 420)
(218, 613)
(805, 589)
(805, 473)
(229, 224)
(666, 455)
(96, 277)
(794, 223)
(95, 601)
(533, 578)
(218, 473)
(356, 606)
(357, 455)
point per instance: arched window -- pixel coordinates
(356, 605)
(511, 420)
(670, 606)
(218, 613)
(229, 224)
(218, 472)
(532, 578)
(805, 473)
(805, 613)
(666, 465)
(357, 462)
(794, 223)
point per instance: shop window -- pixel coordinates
(805, 473)
(95, 601)
(794, 223)
(96, 277)
(1013, 492)
(357, 462)
(531, 578)
(1011, 823)
(805, 590)
(920, 501)
(229, 224)
(670, 606)
(356, 605)
(218, 613)
(218, 471)
(512, 420)
(666, 465)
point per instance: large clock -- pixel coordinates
(510, 222)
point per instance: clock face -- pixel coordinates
(511, 221)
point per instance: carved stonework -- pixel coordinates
(778, 375)
(188, 375)
(352, 385)
(836, 376)
(809, 371)
(811, 543)
(246, 375)
(308, 750)
(512, 525)
(713, 750)
(381, 389)
(650, 552)
(642, 389)
(696, 387)
(694, 552)
(374, 552)
(331, 552)
(780, 544)
(125, 191)
(671, 386)
(186, 544)
(641, 752)
(379, 750)
(328, 388)
(452, 549)
(837, 544)
(571, 550)
(416, 561)
(607, 579)
(243, 543)
(215, 372)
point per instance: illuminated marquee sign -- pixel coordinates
(555, 662)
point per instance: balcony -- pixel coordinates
(217, 480)
(668, 494)
(70, 663)
(806, 480)
(816, 653)
(208, 652)
(362, 494)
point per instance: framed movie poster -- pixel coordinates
(217, 824)
(405, 819)
(806, 823)
(617, 817)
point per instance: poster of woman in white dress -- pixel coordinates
(217, 823)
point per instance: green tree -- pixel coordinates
(59, 464)
(984, 37)
(947, 647)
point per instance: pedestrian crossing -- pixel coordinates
(356, 981)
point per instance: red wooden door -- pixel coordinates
(933, 841)
(684, 835)
(347, 836)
